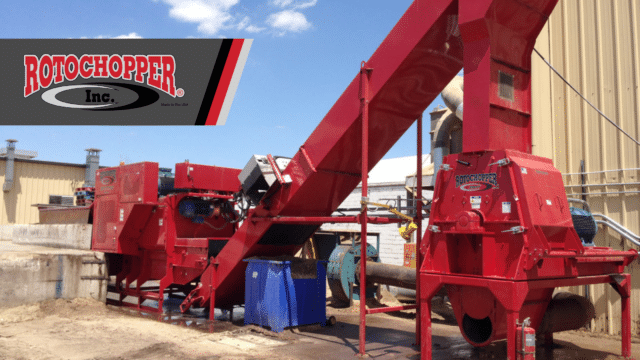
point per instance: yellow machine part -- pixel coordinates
(406, 231)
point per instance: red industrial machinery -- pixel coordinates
(500, 238)
(170, 238)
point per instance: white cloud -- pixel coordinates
(214, 16)
(210, 15)
(304, 5)
(243, 23)
(254, 29)
(288, 20)
(132, 35)
(294, 4)
(281, 3)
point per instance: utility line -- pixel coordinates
(585, 99)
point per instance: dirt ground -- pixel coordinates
(88, 329)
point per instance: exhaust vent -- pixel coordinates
(93, 163)
(11, 154)
(505, 86)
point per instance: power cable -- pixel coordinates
(585, 99)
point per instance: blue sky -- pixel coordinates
(304, 54)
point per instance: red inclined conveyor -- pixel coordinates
(413, 64)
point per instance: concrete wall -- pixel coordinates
(66, 236)
(31, 274)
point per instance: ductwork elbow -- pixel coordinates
(453, 95)
(441, 141)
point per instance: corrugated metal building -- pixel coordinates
(34, 181)
(595, 45)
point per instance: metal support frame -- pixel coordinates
(325, 219)
(514, 297)
(365, 73)
(213, 285)
(418, 221)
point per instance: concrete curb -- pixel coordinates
(67, 236)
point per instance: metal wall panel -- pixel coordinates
(595, 45)
(33, 183)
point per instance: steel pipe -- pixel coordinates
(626, 233)
(605, 184)
(386, 274)
(601, 171)
(607, 193)
(580, 201)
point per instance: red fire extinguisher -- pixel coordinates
(525, 341)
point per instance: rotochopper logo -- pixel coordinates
(477, 182)
(101, 95)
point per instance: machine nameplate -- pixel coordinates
(477, 182)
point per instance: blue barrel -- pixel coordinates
(276, 299)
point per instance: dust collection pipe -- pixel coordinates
(447, 135)
(453, 95)
(442, 138)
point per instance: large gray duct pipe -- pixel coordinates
(453, 95)
(441, 143)
(93, 163)
(447, 125)
(11, 156)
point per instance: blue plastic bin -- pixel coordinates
(274, 299)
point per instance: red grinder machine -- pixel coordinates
(159, 227)
(501, 236)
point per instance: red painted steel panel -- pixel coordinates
(205, 177)
(499, 36)
(118, 190)
(139, 182)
